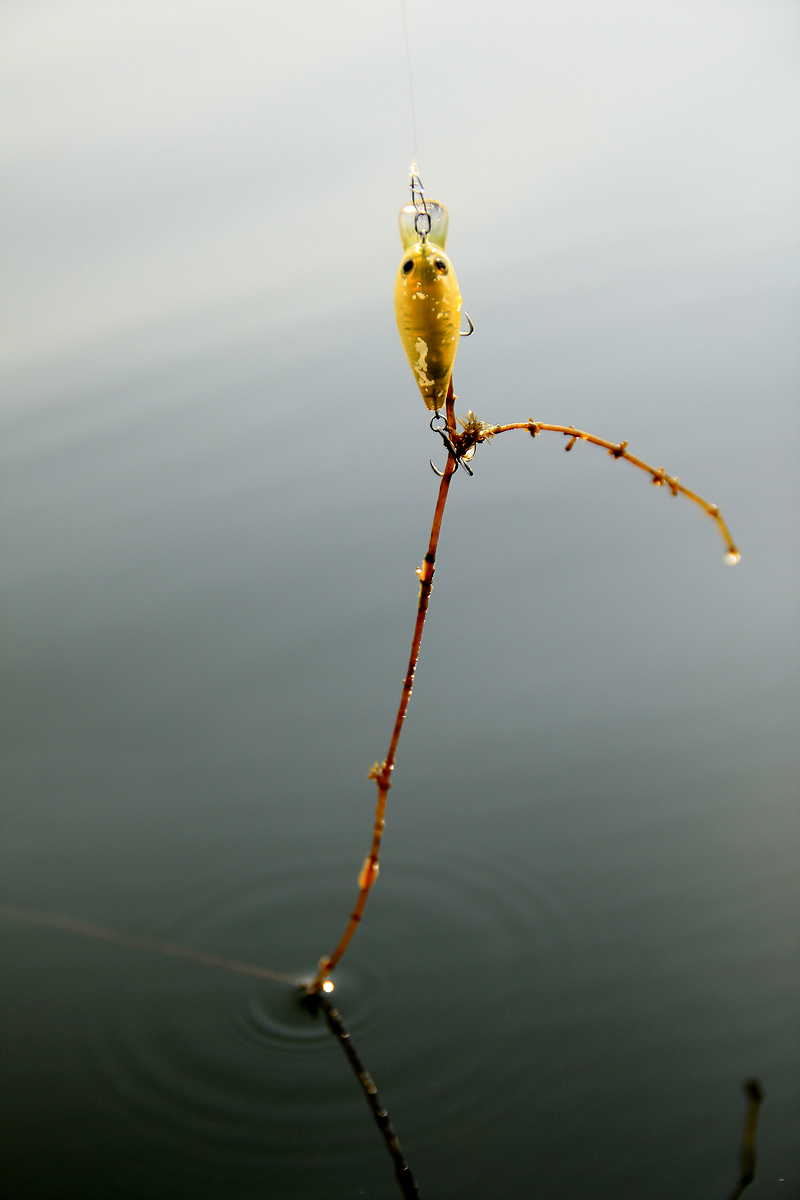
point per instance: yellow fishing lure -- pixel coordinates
(427, 301)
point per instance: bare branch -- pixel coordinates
(381, 772)
(620, 450)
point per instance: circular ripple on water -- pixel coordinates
(288, 919)
(483, 959)
(239, 1073)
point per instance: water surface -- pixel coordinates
(584, 935)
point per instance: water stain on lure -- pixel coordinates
(427, 300)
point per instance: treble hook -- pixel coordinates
(467, 332)
(442, 432)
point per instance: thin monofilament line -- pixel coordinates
(32, 916)
(410, 80)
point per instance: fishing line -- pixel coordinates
(31, 916)
(410, 83)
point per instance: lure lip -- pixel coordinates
(438, 217)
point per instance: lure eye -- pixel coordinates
(441, 265)
(408, 266)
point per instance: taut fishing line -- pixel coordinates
(410, 83)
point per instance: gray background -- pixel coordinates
(584, 936)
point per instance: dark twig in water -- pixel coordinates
(407, 1182)
(755, 1095)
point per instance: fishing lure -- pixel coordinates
(427, 300)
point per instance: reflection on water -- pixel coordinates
(287, 1014)
(403, 1173)
(755, 1096)
(194, 1063)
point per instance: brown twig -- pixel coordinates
(407, 1182)
(381, 772)
(471, 436)
(473, 432)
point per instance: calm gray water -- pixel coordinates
(584, 937)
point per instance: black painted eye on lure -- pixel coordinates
(441, 265)
(408, 267)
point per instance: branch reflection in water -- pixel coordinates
(317, 1000)
(755, 1095)
(313, 1002)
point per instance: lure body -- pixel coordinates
(427, 302)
